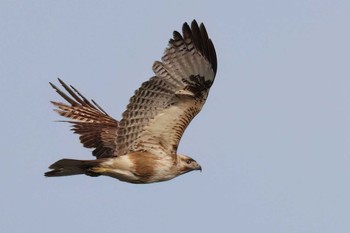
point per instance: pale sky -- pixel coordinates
(273, 138)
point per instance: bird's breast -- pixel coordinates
(152, 168)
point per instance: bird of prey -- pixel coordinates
(142, 147)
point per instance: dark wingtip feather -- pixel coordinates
(207, 47)
(201, 40)
(62, 94)
(77, 97)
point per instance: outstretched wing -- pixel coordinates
(163, 106)
(96, 128)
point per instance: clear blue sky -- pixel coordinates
(273, 138)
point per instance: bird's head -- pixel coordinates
(186, 164)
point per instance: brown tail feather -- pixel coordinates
(69, 167)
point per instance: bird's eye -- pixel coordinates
(188, 161)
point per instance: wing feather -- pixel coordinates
(96, 128)
(161, 109)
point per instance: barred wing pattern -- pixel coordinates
(96, 128)
(163, 106)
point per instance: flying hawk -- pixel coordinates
(142, 146)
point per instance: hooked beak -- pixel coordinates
(199, 168)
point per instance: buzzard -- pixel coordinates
(142, 147)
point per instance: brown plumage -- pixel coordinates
(142, 147)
